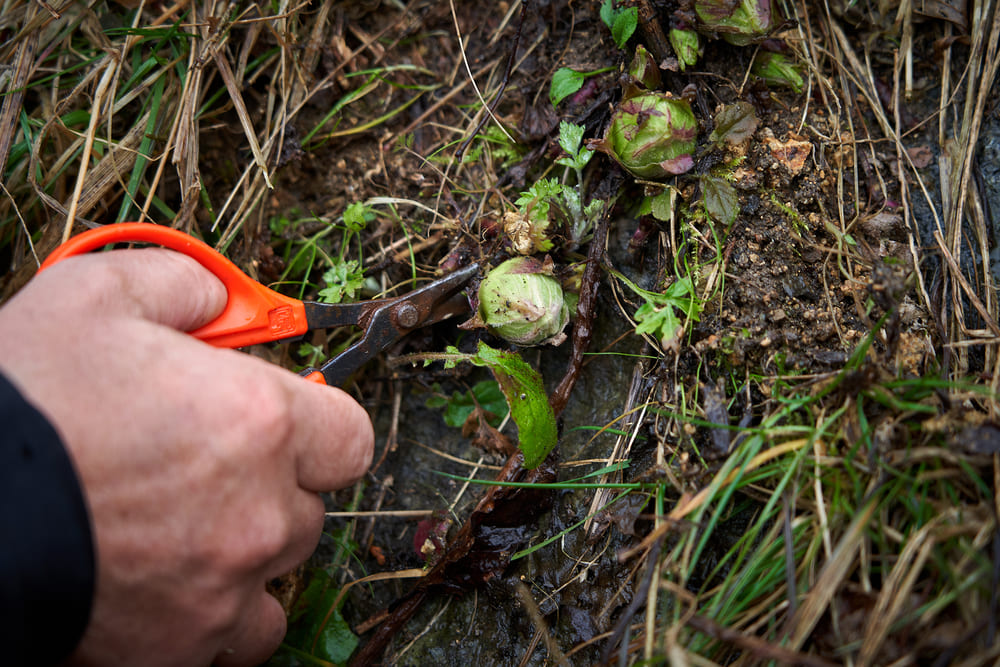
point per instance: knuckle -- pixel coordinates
(267, 415)
(105, 280)
(271, 535)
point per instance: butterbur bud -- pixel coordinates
(739, 23)
(777, 70)
(643, 69)
(685, 43)
(521, 302)
(651, 135)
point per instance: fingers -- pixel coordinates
(159, 285)
(258, 636)
(306, 516)
(333, 437)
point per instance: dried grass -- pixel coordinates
(834, 534)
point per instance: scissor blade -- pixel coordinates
(407, 312)
(388, 320)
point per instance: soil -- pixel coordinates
(791, 303)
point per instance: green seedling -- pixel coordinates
(345, 277)
(686, 44)
(622, 21)
(658, 316)
(778, 70)
(317, 632)
(550, 199)
(485, 396)
(740, 23)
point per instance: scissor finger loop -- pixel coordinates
(256, 314)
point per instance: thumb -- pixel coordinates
(156, 284)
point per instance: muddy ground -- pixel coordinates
(788, 305)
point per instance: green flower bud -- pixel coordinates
(740, 22)
(652, 135)
(685, 43)
(522, 303)
(778, 70)
(643, 69)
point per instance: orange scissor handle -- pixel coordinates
(253, 313)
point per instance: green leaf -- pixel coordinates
(571, 141)
(565, 82)
(608, 12)
(621, 21)
(570, 137)
(525, 393)
(343, 279)
(625, 23)
(529, 404)
(662, 205)
(357, 216)
(657, 317)
(721, 200)
(315, 627)
(734, 124)
(485, 394)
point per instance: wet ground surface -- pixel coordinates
(788, 305)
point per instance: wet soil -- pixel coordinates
(790, 303)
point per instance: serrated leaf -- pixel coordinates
(343, 279)
(734, 124)
(571, 141)
(570, 137)
(657, 317)
(721, 200)
(565, 82)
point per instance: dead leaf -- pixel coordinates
(792, 154)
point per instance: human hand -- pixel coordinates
(201, 466)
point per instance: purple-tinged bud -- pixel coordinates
(685, 43)
(643, 70)
(651, 135)
(739, 22)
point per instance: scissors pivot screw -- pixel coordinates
(406, 316)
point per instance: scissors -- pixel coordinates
(257, 314)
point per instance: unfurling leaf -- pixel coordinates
(778, 70)
(741, 22)
(643, 71)
(685, 43)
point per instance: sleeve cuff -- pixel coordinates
(47, 563)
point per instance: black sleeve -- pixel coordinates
(46, 552)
